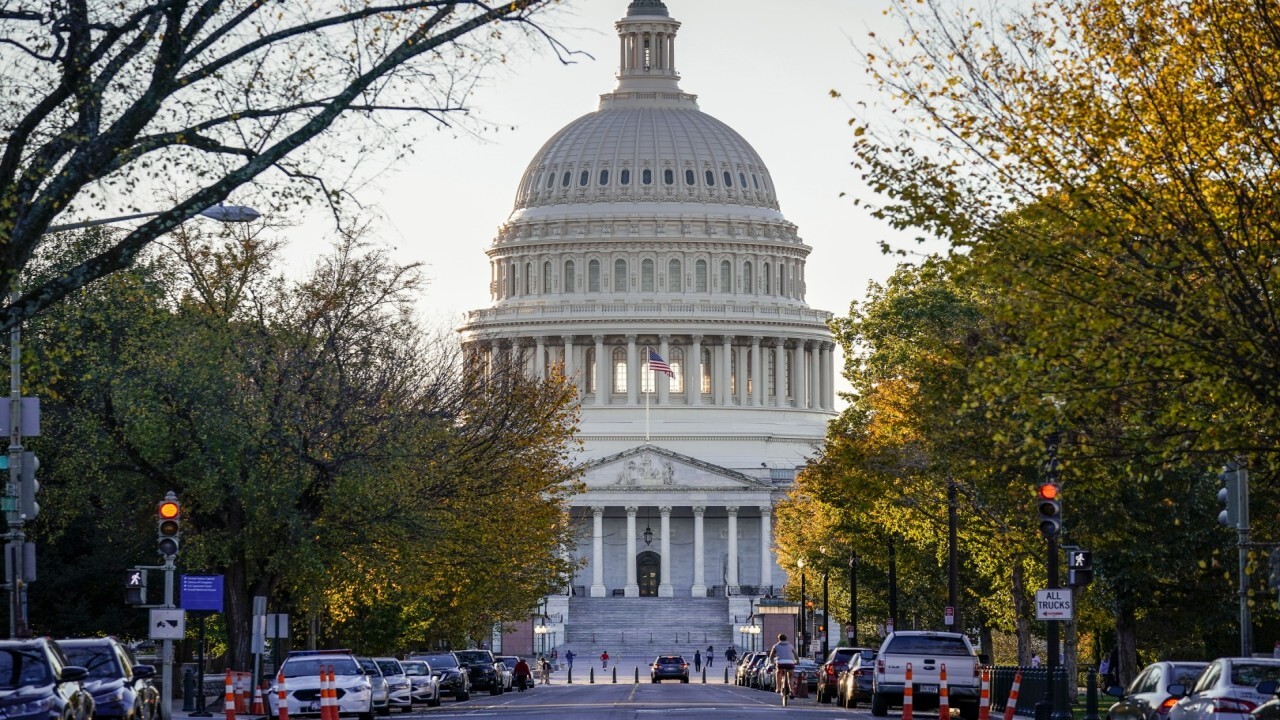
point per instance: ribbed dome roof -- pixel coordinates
(647, 152)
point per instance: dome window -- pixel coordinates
(677, 368)
(551, 179)
(675, 276)
(546, 278)
(564, 182)
(646, 276)
(764, 269)
(726, 277)
(669, 176)
(584, 178)
(619, 371)
(746, 279)
(624, 177)
(647, 177)
(728, 179)
(620, 275)
(700, 276)
(590, 375)
(705, 373)
(742, 180)
(604, 177)
(688, 177)
(711, 178)
(570, 278)
(593, 276)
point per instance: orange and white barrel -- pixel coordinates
(984, 696)
(907, 700)
(944, 694)
(1012, 706)
(282, 697)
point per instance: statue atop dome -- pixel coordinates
(647, 7)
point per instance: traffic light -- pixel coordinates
(1229, 495)
(1049, 506)
(1079, 568)
(168, 517)
(135, 586)
(28, 508)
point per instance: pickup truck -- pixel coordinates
(927, 652)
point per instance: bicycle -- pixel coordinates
(783, 676)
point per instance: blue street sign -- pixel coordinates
(201, 592)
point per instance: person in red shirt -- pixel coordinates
(522, 674)
(604, 659)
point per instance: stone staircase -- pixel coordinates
(645, 627)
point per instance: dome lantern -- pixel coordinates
(647, 52)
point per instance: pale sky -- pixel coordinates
(764, 67)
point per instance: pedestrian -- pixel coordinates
(568, 657)
(604, 659)
(1035, 660)
(731, 655)
(544, 667)
(711, 655)
(697, 661)
(555, 658)
(522, 674)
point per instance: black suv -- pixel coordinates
(37, 682)
(120, 686)
(480, 664)
(455, 681)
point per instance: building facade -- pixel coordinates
(649, 228)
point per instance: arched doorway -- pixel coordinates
(648, 569)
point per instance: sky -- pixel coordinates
(764, 67)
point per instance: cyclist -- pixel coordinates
(783, 655)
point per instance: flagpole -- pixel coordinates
(646, 414)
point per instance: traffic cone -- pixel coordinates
(257, 701)
(984, 696)
(333, 694)
(282, 698)
(229, 697)
(1011, 706)
(944, 694)
(326, 694)
(907, 701)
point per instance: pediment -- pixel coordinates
(652, 467)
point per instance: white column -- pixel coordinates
(757, 373)
(732, 578)
(726, 398)
(796, 376)
(597, 553)
(603, 365)
(664, 382)
(828, 376)
(801, 387)
(699, 566)
(540, 358)
(766, 546)
(815, 375)
(740, 357)
(568, 359)
(779, 372)
(664, 582)
(633, 372)
(632, 589)
(693, 375)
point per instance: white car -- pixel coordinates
(1226, 690)
(426, 686)
(399, 692)
(301, 672)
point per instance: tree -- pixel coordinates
(211, 95)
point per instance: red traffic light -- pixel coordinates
(1048, 491)
(168, 509)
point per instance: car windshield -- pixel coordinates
(438, 662)
(669, 660)
(415, 667)
(842, 655)
(472, 657)
(390, 667)
(1186, 675)
(23, 667)
(310, 667)
(1251, 674)
(929, 645)
(368, 666)
(509, 661)
(98, 660)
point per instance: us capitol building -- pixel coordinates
(649, 225)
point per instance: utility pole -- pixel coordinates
(853, 598)
(953, 556)
(1242, 528)
(16, 547)
(893, 583)
(826, 618)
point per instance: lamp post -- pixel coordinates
(953, 555)
(16, 536)
(541, 632)
(826, 617)
(803, 605)
(853, 598)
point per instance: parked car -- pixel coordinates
(1226, 690)
(669, 667)
(381, 691)
(399, 690)
(767, 676)
(754, 670)
(38, 682)
(1269, 710)
(743, 665)
(829, 674)
(454, 679)
(301, 672)
(121, 687)
(510, 661)
(854, 684)
(1148, 696)
(424, 686)
(926, 652)
(483, 669)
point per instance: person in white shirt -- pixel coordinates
(783, 654)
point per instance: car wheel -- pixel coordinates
(368, 714)
(385, 710)
(463, 696)
(879, 705)
(684, 680)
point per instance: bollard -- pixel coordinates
(1091, 696)
(1011, 706)
(704, 676)
(726, 676)
(189, 690)
(591, 676)
(229, 697)
(615, 674)
(570, 676)
(908, 701)
(944, 694)
(984, 696)
(637, 680)
(282, 697)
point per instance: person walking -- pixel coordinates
(522, 674)
(731, 655)
(711, 655)
(544, 667)
(568, 657)
(604, 659)
(697, 661)
(1035, 660)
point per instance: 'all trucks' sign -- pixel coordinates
(1053, 604)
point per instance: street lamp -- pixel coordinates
(541, 632)
(221, 213)
(804, 648)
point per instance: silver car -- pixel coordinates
(1226, 690)
(425, 686)
(381, 694)
(399, 691)
(1148, 696)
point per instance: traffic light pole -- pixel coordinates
(1242, 528)
(16, 537)
(166, 668)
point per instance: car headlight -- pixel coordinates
(34, 706)
(399, 685)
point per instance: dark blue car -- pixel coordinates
(38, 683)
(121, 687)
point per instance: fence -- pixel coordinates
(1031, 690)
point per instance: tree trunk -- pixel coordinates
(238, 615)
(1021, 613)
(1127, 644)
(986, 646)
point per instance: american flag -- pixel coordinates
(657, 364)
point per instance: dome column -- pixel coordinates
(597, 552)
(603, 388)
(815, 375)
(569, 368)
(779, 371)
(801, 366)
(740, 355)
(540, 357)
(699, 588)
(731, 577)
(725, 396)
(797, 373)
(664, 382)
(828, 373)
(633, 372)
(766, 547)
(664, 583)
(757, 372)
(693, 373)
(633, 588)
